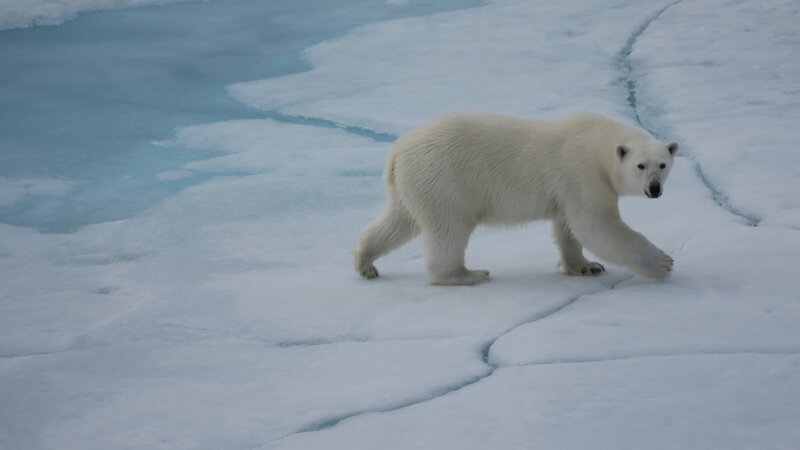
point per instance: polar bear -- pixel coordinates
(467, 169)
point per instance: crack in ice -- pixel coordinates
(721, 198)
(330, 422)
(299, 343)
(353, 339)
(320, 122)
(627, 67)
(485, 353)
(656, 355)
(629, 83)
(13, 355)
(333, 421)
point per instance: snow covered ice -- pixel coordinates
(190, 286)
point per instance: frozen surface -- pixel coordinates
(508, 56)
(226, 314)
(737, 401)
(26, 13)
(742, 129)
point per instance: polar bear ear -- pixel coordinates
(622, 150)
(672, 148)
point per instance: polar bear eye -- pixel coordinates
(640, 166)
(663, 166)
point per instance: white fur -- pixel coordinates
(461, 170)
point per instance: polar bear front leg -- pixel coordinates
(572, 260)
(616, 242)
(446, 245)
(602, 231)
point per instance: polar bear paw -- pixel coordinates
(465, 277)
(369, 272)
(657, 265)
(364, 266)
(589, 268)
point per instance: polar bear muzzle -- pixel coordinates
(654, 190)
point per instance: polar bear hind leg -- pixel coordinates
(446, 244)
(393, 228)
(572, 260)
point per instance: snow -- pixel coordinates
(493, 52)
(754, 101)
(26, 13)
(740, 401)
(226, 313)
(276, 397)
(13, 190)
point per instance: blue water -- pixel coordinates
(84, 100)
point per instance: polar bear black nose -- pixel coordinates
(654, 190)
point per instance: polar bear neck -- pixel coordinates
(596, 137)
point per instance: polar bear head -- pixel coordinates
(644, 166)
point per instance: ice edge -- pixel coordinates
(377, 136)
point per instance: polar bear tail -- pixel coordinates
(393, 228)
(390, 173)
